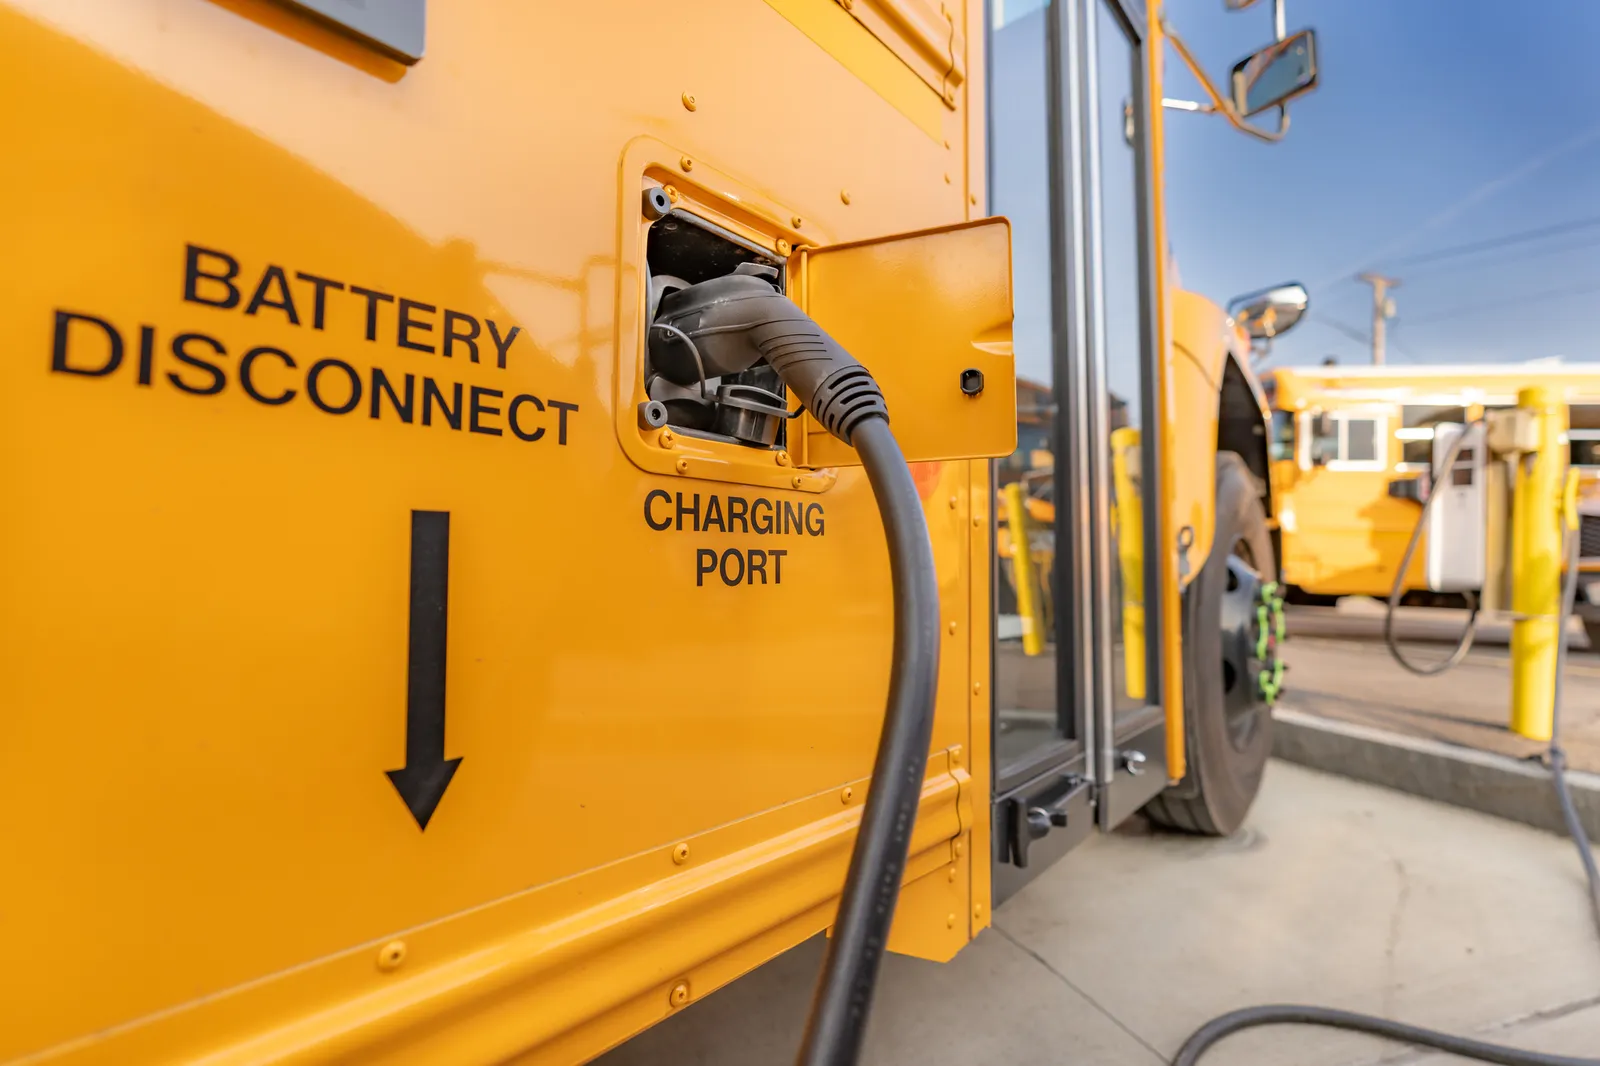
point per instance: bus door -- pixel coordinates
(1077, 724)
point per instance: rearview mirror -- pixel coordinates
(1271, 312)
(1276, 74)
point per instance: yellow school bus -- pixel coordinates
(419, 645)
(1348, 442)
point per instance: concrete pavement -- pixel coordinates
(1336, 893)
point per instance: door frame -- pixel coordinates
(1082, 781)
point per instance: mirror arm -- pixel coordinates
(1278, 24)
(1220, 104)
(1187, 105)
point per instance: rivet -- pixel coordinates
(796, 222)
(947, 142)
(974, 199)
(977, 687)
(666, 438)
(977, 521)
(952, 874)
(680, 994)
(955, 756)
(686, 163)
(950, 921)
(949, 96)
(782, 458)
(680, 854)
(689, 102)
(783, 246)
(391, 955)
(672, 192)
(960, 848)
(953, 503)
(977, 910)
(683, 466)
(844, 195)
(947, 179)
(952, 627)
(846, 795)
(798, 481)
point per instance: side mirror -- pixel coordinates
(1276, 74)
(1271, 312)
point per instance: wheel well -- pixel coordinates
(1241, 429)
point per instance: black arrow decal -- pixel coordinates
(427, 773)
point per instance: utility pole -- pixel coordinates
(1382, 310)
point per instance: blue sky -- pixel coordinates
(1437, 123)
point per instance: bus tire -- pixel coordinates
(1227, 722)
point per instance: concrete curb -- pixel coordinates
(1517, 789)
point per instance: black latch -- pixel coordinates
(1030, 818)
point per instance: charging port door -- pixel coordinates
(929, 313)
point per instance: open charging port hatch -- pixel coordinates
(688, 392)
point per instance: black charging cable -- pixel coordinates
(1464, 644)
(727, 325)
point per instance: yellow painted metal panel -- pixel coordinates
(870, 59)
(939, 306)
(204, 641)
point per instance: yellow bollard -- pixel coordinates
(1129, 524)
(1536, 562)
(1027, 580)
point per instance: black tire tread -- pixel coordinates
(1184, 807)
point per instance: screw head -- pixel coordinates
(391, 955)
(846, 794)
(783, 247)
(796, 222)
(666, 438)
(683, 466)
(782, 458)
(797, 481)
(672, 192)
(680, 994)
(680, 854)
(686, 163)
(844, 196)
(689, 101)
(971, 381)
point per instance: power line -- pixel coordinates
(1364, 339)
(1492, 243)
(1522, 256)
(1463, 310)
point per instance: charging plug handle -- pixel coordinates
(738, 320)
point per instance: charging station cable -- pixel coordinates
(1396, 590)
